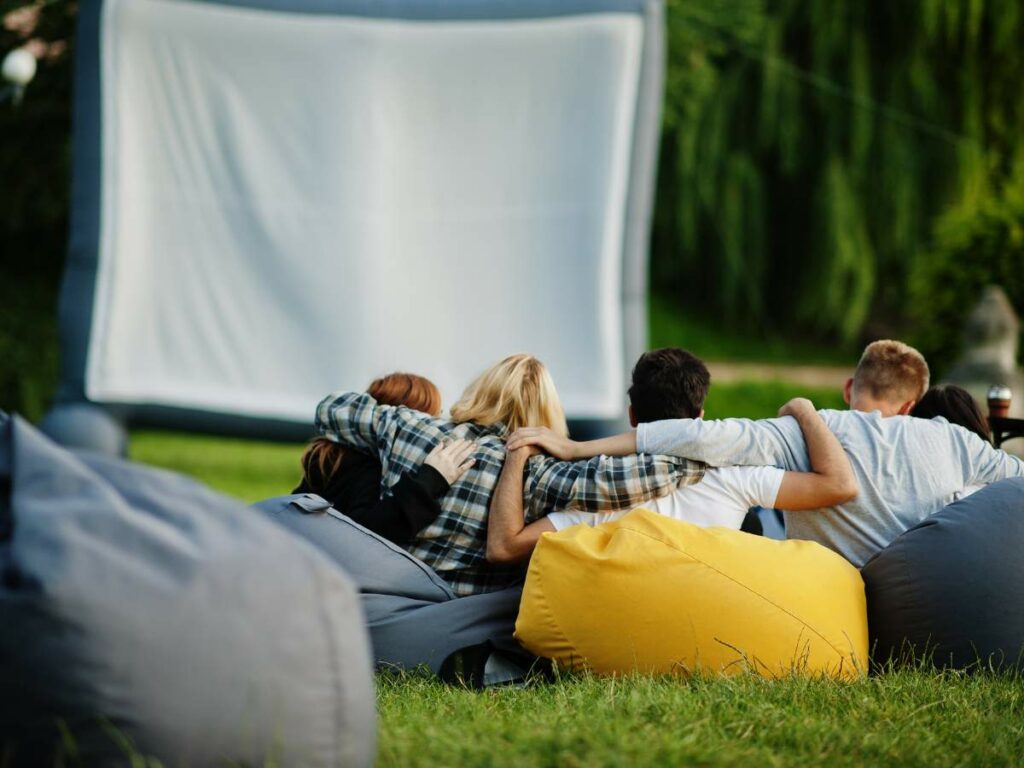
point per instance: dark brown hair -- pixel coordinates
(956, 405)
(668, 383)
(323, 458)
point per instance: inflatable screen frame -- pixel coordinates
(220, 345)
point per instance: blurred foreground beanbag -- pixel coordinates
(951, 589)
(141, 612)
(654, 595)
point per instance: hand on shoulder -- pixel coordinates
(797, 407)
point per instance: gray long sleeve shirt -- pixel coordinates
(907, 468)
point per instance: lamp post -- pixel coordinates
(19, 68)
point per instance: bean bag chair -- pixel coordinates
(951, 589)
(139, 608)
(413, 616)
(650, 594)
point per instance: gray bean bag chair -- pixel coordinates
(414, 618)
(951, 589)
(137, 607)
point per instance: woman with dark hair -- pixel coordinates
(351, 480)
(956, 405)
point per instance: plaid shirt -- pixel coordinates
(455, 544)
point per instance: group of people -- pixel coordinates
(471, 495)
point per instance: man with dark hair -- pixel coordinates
(668, 383)
(672, 384)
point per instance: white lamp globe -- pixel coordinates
(19, 67)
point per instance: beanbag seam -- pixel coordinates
(551, 615)
(423, 567)
(772, 603)
(335, 670)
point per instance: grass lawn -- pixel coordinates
(671, 326)
(914, 717)
(908, 718)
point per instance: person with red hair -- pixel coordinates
(351, 480)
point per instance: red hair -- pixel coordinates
(323, 458)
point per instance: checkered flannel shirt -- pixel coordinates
(455, 544)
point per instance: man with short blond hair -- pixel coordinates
(906, 468)
(890, 377)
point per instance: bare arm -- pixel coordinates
(831, 480)
(509, 539)
(569, 450)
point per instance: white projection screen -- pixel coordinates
(292, 201)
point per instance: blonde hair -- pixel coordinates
(517, 392)
(892, 371)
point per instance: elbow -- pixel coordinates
(845, 489)
(499, 554)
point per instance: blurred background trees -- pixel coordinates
(830, 166)
(831, 170)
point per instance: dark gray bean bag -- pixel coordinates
(951, 589)
(414, 618)
(137, 605)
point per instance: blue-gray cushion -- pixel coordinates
(137, 604)
(951, 589)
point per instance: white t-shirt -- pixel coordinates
(721, 499)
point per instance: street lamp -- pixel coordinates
(19, 68)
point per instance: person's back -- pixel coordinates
(720, 500)
(454, 544)
(907, 468)
(671, 383)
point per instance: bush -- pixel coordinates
(34, 167)
(974, 247)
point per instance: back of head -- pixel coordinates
(668, 383)
(957, 406)
(891, 371)
(408, 389)
(323, 458)
(517, 392)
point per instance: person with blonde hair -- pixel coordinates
(350, 480)
(906, 468)
(516, 392)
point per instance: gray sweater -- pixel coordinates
(907, 468)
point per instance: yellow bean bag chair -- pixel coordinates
(650, 594)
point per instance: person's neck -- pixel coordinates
(869, 404)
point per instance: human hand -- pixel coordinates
(796, 407)
(544, 439)
(522, 454)
(451, 458)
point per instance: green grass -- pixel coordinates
(671, 326)
(761, 399)
(248, 469)
(907, 718)
(915, 718)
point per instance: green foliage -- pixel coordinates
(34, 169)
(710, 340)
(914, 717)
(977, 246)
(28, 346)
(808, 150)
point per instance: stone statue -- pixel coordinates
(991, 338)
